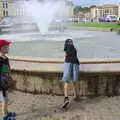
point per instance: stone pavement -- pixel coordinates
(47, 107)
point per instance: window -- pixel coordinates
(6, 5)
(4, 13)
(3, 5)
(7, 13)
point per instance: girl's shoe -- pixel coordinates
(77, 98)
(66, 103)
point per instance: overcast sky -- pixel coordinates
(94, 2)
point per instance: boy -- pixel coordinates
(4, 76)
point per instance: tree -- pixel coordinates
(78, 9)
(86, 9)
(92, 6)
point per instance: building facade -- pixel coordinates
(103, 11)
(3, 8)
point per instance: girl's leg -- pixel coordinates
(76, 80)
(76, 89)
(66, 99)
(66, 78)
(66, 89)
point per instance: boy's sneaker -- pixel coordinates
(5, 117)
(66, 102)
(11, 114)
(11, 118)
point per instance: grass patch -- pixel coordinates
(98, 25)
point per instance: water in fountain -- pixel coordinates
(90, 44)
(43, 12)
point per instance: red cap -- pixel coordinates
(4, 42)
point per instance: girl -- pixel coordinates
(71, 71)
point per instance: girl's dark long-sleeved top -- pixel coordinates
(71, 55)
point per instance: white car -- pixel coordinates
(118, 20)
(111, 18)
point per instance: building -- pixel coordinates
(9, 8)
(70, 8)
(3, 9)
(119, 10)
(103, 11)
(87, 15)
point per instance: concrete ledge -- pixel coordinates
(34, 76)
(56, 65)
(60, 60)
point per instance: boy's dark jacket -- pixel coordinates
(4, 74)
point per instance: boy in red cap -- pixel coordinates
(4, 76)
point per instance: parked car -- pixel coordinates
(111, 18)
(108, 18)
(118, 20)
(102, 19)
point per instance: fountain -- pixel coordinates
(44, 12)
(34, 33)
(39, 15)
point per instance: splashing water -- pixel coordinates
(43, 13)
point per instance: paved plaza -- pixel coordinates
(47, 107)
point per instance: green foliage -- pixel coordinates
(92, 6)
(78, 9)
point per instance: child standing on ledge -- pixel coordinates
(4, 76)
(71, 71)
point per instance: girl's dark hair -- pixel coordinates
(67, 43)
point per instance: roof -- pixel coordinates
(107, 6)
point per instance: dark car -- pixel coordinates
(102, 19)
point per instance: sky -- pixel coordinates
(94, 2)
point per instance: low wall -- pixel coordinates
(93, 83)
